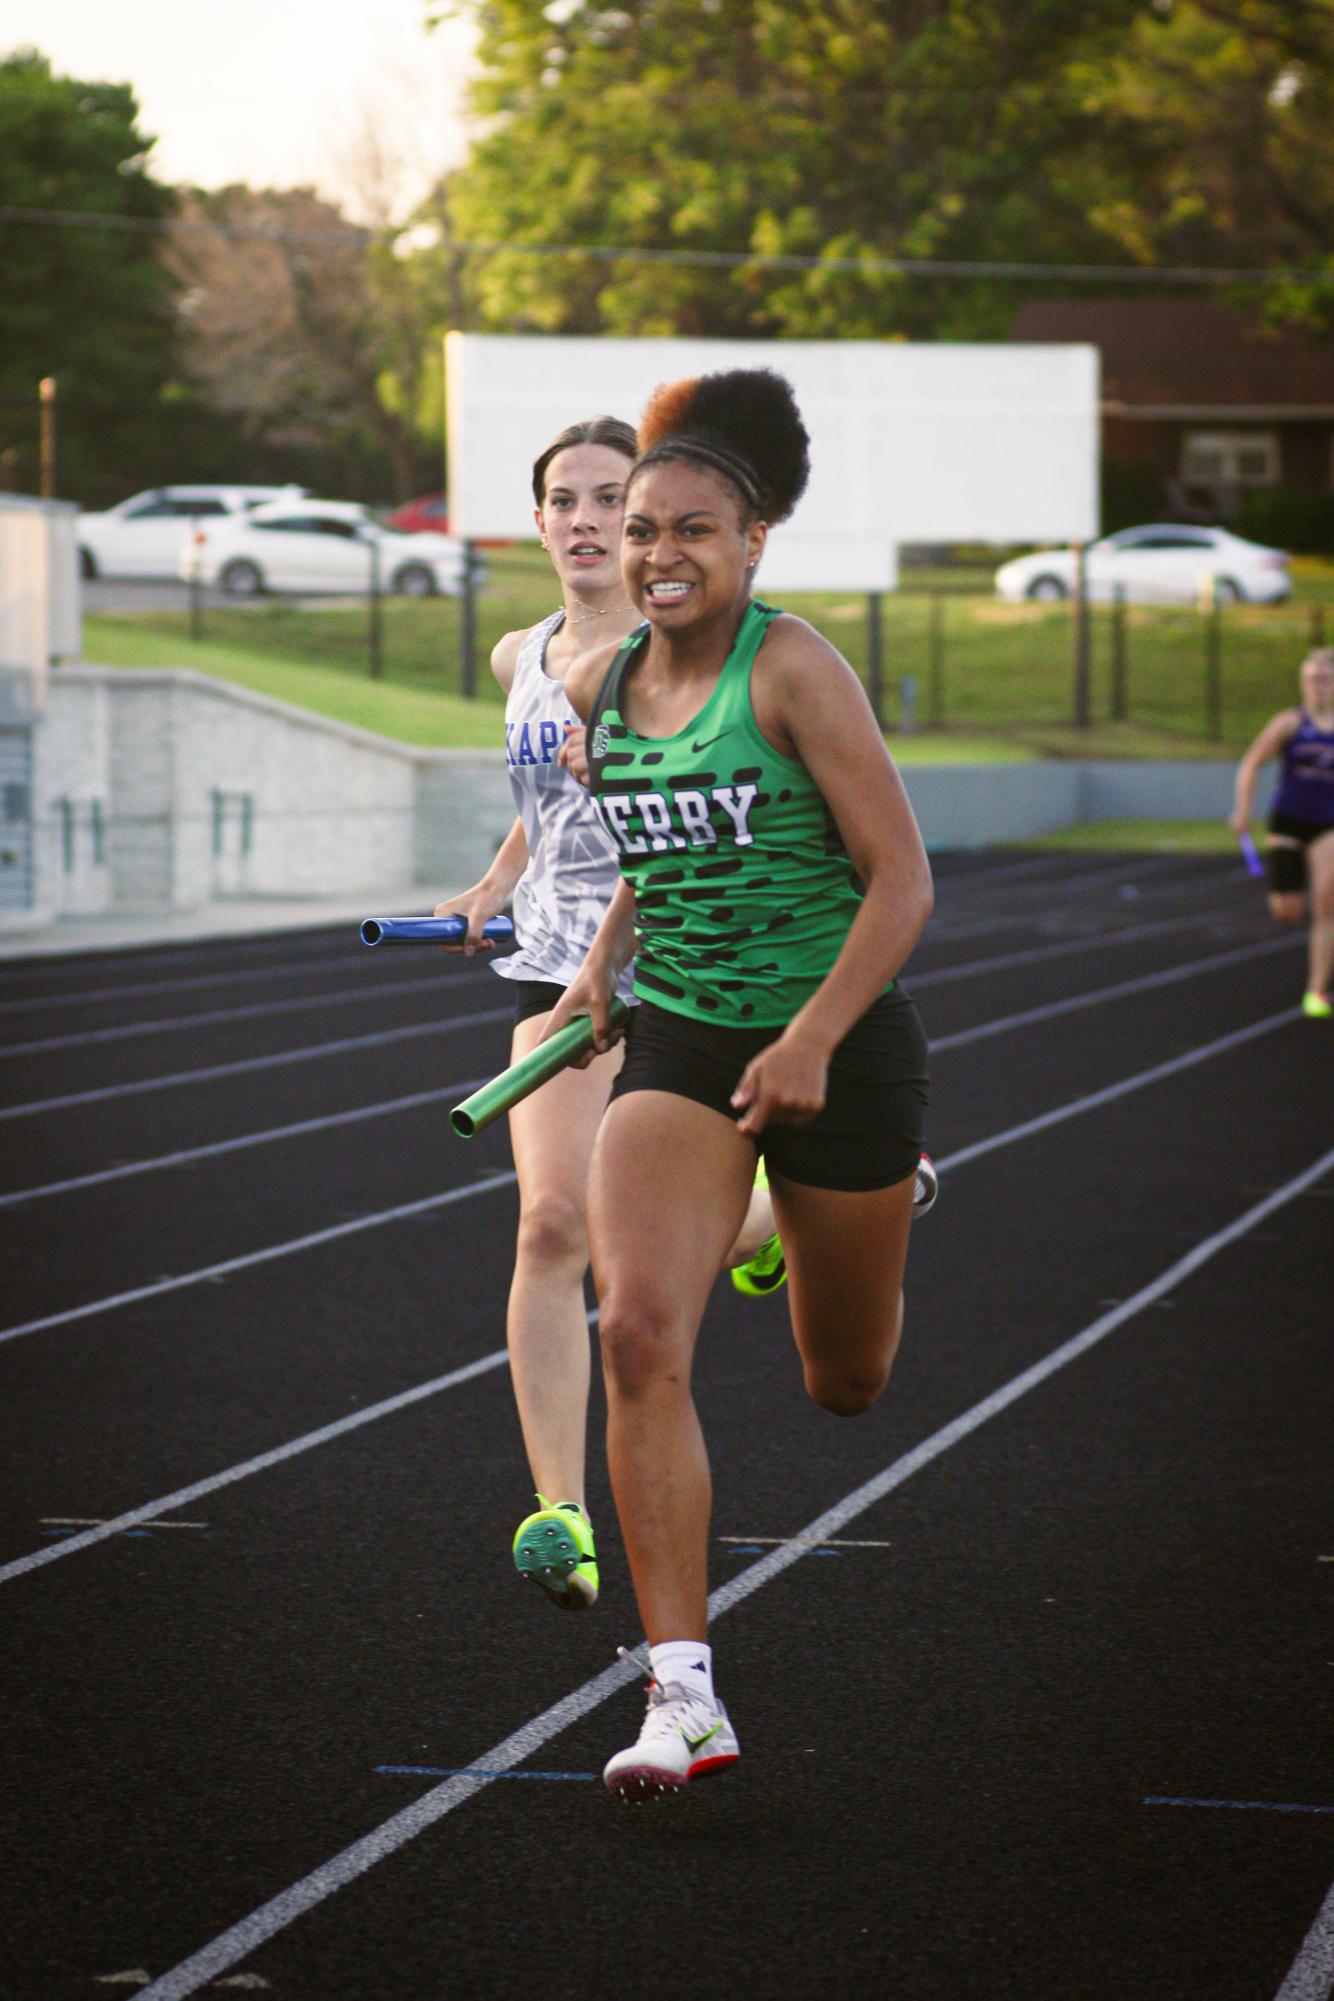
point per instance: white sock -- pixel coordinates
(689, 1663)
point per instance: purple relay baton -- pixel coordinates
(1251, 857)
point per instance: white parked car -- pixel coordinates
(142, 537)
(316, 546)
(1163, 564)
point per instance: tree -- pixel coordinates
(298, 327)
(845, 133)
(92, 306)
(1222, 118)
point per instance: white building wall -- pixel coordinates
(207, 791)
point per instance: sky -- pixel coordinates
(278, 93)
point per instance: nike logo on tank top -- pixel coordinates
(744, 890)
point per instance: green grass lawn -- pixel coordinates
(991, 680)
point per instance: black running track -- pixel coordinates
(1031, 1666)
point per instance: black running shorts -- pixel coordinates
(535, 997)
(869, 1134)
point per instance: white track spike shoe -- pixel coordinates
(683, 1736)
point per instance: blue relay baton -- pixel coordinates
(427, 930)
(1252, 859)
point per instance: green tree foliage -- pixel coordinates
(851, 131)
(305, 334)
(92, 307)
(1219, 124)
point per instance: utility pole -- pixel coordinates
(1080, 703)
(46, 390)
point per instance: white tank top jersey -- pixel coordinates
(562, 895)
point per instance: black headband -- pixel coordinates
(689, 444)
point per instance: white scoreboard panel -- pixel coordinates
(917, 442)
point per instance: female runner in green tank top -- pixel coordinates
(775, 882)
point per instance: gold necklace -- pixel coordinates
(591, 612)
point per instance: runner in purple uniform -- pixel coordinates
(1299, 844)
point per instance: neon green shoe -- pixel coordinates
(555, 1548)
(767, 1270)
(1317, 1005)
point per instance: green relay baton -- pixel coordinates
(537, 1067)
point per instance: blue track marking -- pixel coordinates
(476, 1771)
(1238, 1806)
(240, 1939)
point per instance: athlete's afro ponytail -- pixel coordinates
(745, 424)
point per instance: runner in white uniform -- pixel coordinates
(559, 869)
(563, 893)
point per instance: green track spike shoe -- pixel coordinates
(555, 1548)
(767, 1270)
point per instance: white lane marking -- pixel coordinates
(1311, 1975)
(262, 1461)
(830, 1542)
(1032, 955)
(57, 965)
(224, 1269)
(1112, 1092)
(99, 1521)
(126, 1168)
(250, 1063)
(141, 989)
(1061, 872)
(948, 1161)
(252, 1011)
(1142, 983)
(241, 1939)
(1061, 903)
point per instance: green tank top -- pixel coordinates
(743, 887)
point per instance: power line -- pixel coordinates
(869, 265)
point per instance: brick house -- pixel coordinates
(1203, 409)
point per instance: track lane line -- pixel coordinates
(1311, 1975)
(53, 1552)
(1108, 1095)
(186, 1156)
(168, 1024)
(212, 1071)
(141, 989)
(1002, 1024)
(1033, 955)
(241, 1939)
(1111, 1092)
(247, 1259)
(1121, 990)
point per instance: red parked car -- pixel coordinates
(427, 512)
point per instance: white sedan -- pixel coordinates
(143, 536)
(316, 546)
(1164, 564)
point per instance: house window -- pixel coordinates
(1230, 458)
